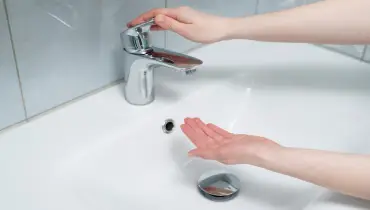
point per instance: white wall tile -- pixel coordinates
(66, 48)
(11, 109)
(218, 7)
(367, 54)
(352, 50)
(265, 6)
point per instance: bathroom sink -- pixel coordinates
(149, 168)
(123, 159)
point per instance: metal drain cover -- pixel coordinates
(218, 186)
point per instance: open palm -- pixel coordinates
(215, 143)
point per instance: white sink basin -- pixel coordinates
(101, 153)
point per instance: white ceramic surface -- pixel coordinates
(101, 153)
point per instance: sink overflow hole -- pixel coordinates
(168, 126)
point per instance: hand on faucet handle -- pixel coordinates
(191, 24)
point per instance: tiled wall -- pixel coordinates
(67, 48)
(271, 6)
(11, 108)
(219, 7)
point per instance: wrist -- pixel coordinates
(233, 28)
(269, 156)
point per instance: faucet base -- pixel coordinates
(139, 89)
(138, 103)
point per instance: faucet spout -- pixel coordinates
(139, 88)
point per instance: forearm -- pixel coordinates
(345, 173)
(329, 22)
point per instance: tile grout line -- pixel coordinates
(15, 60)
(17, 124)
(364, 52)
(256, 8)
(75, 99)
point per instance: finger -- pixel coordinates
(220, 131)
(212, 142)
(156, 28)
(200, 141)
(209, 132)
(193, 124)
(208, 141)
(150, 14)
(169, 23)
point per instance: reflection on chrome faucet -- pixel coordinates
(139, 88)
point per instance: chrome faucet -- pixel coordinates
(139, 89)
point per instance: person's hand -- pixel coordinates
(214, 143)
(191, 24)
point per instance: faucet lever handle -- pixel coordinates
(146, 25)
(136, 40)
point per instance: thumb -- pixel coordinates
(169, 23)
